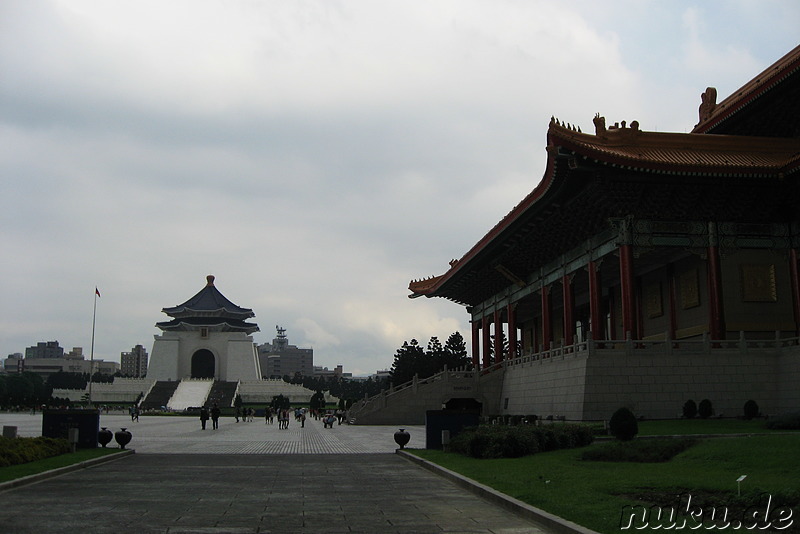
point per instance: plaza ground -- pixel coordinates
(251, 478)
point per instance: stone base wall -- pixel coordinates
(545, 387)
(653, 385)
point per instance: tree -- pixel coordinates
(279, 402)
(317, 401)
(407, 361)
(19, 389)
(455, 352)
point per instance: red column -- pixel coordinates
(626, 290)
(512, 331)
(671, 302)
(596, 321)
(569, 321)
(487, 342)
(498, 336)
(546, 317)
(794, 273)
(716, 319)
(476, 344)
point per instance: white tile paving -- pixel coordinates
(183, 435)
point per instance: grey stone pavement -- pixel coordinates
(250, 478)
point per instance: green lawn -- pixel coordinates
(702, 426)
(593, 493)
(14, 472)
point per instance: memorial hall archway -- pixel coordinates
(203, 364)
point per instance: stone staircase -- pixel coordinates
(190, 393)
(222, 393)
(159, 395)
(407, 403)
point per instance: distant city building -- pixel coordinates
(75, 354)
(13, 363)
(44, 349)
(279, 358)
(337, 372)
(134, 363)
(47, 366)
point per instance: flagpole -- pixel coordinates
(91, 351)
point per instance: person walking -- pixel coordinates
(215, 416)
(203, 417)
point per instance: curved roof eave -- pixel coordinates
(430, 286)
(673, 153)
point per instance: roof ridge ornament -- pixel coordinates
(210, 280)
(708, 103)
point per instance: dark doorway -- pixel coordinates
(203, 364)
(463, 405)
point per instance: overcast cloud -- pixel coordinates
(315, 156)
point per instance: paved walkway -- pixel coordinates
(239, 479)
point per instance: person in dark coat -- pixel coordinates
(215, 416)
(203, 417)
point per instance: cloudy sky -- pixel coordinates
(314, 155)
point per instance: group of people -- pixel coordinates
(213, 414)
(246, 414)
(329, 418)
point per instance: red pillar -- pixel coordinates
(569, 304)
(498, 336)
(512, 331)
(672, 299)
(716, 319)
(794, 274)
(596, 321)
(476, 344)
(487, 342)
(546, 317)
(627, 290)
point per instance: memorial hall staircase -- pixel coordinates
(222, 393)
(407, 403)
(159, 395)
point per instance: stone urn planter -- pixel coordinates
(104, 436)
(123, 437)
(401, 437)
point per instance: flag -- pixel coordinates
(96, 291)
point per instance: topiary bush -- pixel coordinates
(751, 410)
(623, 425)
(705, 410)
(689, 409)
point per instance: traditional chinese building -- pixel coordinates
(207, 338)
(647, 269)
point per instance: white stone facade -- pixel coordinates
(235, 355)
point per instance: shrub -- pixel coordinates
(787, 421)
(705, 410)
(623, 424)
(644, 451)
(751, 409)
(15, 451)
(500, 441)
(689, 409)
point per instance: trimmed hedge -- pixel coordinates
(642, 451)
(500, 441)
(787, 421)
(14, 451)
